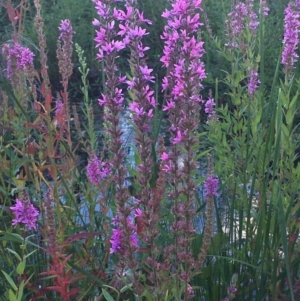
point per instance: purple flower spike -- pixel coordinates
(253, 82)
(25, 213)
(211, 186)
(18, 58)
(291, 37)
(115, 241)
(97, 170)
(65, 28)
(210, 108)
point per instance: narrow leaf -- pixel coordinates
(11, 282)
(107, 295)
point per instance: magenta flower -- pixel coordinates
(97, 170)
(115, 241)
(146, 73)
(102, 101)
(138, 212)
(168, 167)
(119, 239)
(178, 138)
(25, 213)
(241, 17)
(64, 52)
(18, 58)
(265, 9)
(135, 107)
(59, 107)
(253, 82)
(142, 49)
(209, 108)
(211, 186)
(26, 58)
(235, 21)
(164, 156)
(65, 29)
(170, 105)
(134, 242)
(291, 37)
(137, 31)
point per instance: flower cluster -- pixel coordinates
(65, 49)
(253, 82)
(19, 58)
(210, 108)
(265, 9)
(291, 37)
(253, 19)
(182, 55)
(25, 213)
(241, 17)
(66, 30)
(235, 23)
(109, 42)
(106, 44)
(97, 170)
(119, 236)
(211, 186)
(132, 33)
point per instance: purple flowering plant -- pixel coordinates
(176, 230)
(25, 213)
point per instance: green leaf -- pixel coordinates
(11, 282)
(12, 296)
(284, 99)
(26, 256)
(285, 132)
(107, 295)
(21, 267)
(21, 288)
(236, 100)
(175, 293)
(290, 116)
(282, 225)
(11, 237)
(257, 60)
(202, 154)
(292, 103)
(146, 294)
(131, 95)
(125, 288)
(167, 296)
(15, 253)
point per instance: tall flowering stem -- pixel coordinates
(242, 24)
(109, 45)
(241, 17)
(58, 270)
(20, 64)
(45, 87)
(64, 54)
(142, 106)
(182, 56)
(211, 187)
(19, 59)
(291, 38)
